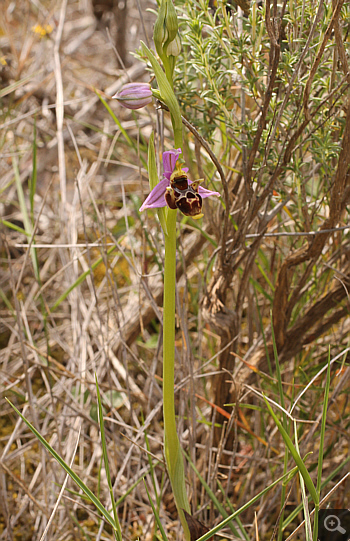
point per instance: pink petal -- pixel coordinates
(203, 192)
(156, 198)
(170, 158)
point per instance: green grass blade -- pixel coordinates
(213, 498)
(77, 523)
(264, 275)
(118, 123)
(14, 86)
(262, 331)
(285, 426)
(196, 225)
(27, 223)
(279, 377)
(260, 288)
(7, 302)
(297, 510)
(127, 138)
(65, 466)
(14, 227)
(33, 178)
(222, 524)
(297, 458)
(229, 504)
(21, 198)
(308, 532)
(105, 459)
(156, 515)
(322, 436)
(323, 427)
(118, 502)
(152, 471)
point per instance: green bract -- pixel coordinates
(167, 93)
(159, 32)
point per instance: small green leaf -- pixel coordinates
(113, 398)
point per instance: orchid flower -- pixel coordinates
(175, 190)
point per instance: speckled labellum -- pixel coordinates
(184, 196)
(176, 191)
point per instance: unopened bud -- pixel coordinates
(160, 31)
(171, 21)
(134, 95)
(174, 47)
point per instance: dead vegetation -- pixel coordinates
(85, 296)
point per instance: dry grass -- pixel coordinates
(84, 219)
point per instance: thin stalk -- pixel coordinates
(285, 426)
(117, 531)
(308, 531)
(173, 453)
(320, 455)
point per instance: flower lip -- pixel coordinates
(156, 199)
(134, 95)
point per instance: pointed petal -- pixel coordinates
(203, 192)
(170, 158)
(156, 198)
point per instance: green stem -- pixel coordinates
(173, 454)
(169, 330)
(168, 70)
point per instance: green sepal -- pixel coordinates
(166, 91)
(159, 32)
(153, 180)
(171, 21)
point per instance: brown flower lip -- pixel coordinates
(184, 196)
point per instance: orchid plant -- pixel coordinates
(173, 192)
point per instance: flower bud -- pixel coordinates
(160, 31)
(134, 95)
(174, 47)
(171, 20)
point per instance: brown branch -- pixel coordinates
(282, 309)
(310, 327)
(340, 46)
(274, 60)
(317, 61)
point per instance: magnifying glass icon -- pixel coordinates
(332, 524)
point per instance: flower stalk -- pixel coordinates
(173, 454)
(175, 191)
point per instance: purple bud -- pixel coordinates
(134, 95)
